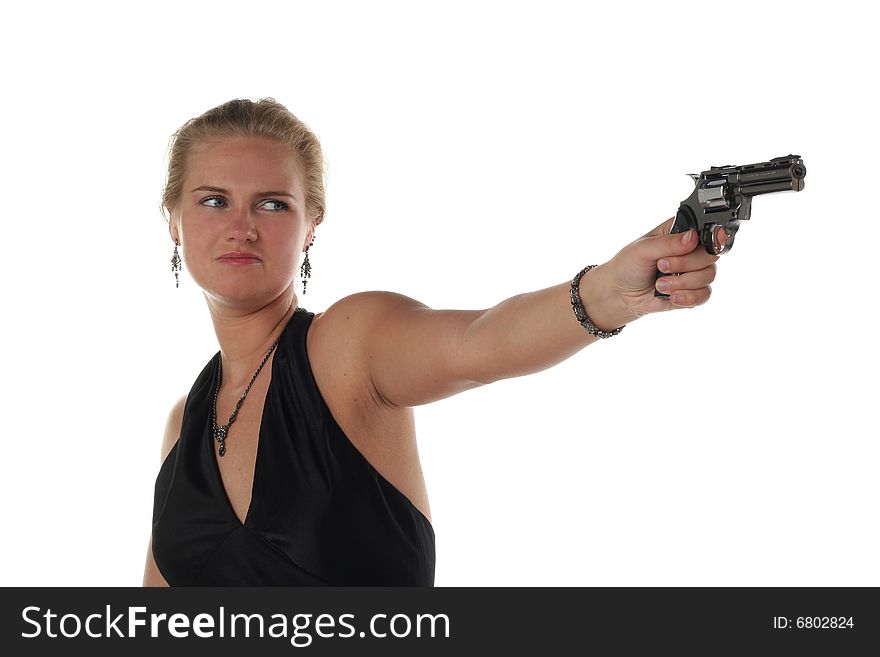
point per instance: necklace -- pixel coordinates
(220, 433)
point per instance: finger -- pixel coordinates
(690, 298)
(690, 280)
(688, 262)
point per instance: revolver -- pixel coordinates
(723, 197)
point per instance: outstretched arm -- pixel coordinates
(416, 355)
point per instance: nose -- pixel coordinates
(241, 225)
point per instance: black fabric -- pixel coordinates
(320, 514)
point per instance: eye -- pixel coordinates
(283, 205)
(213, 198)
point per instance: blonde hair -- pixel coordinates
(241, 117)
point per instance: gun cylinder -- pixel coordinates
(714, 197)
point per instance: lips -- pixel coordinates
(240, 256)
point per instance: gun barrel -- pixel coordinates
(786, 185)
(781, 174)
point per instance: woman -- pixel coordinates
(293, 458)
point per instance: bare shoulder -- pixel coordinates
(412, 354)
(172, 426)
(346, 326)
(361, 310)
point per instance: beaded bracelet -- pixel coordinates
(581, 314)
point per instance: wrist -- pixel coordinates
(603, 306)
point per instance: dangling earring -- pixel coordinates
(305, 269)
(175, 265)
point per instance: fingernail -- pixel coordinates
(686, 237)
(664, 265)
(663, 286)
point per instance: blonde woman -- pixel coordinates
(293, 458)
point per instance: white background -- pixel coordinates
(476, 150)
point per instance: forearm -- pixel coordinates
(530, 332)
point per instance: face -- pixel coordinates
(243, 217)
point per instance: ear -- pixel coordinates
(310, 235)
(173, 228)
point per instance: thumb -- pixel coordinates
(662, 229)
(653, 248)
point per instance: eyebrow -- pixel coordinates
(209, 188)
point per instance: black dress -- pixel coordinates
(320, 513)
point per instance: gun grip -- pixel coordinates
(684, 221)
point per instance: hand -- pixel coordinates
(630, 273)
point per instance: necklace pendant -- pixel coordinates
(220, 435)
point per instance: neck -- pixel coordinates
(246, 336)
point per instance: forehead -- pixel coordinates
(243, 162)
